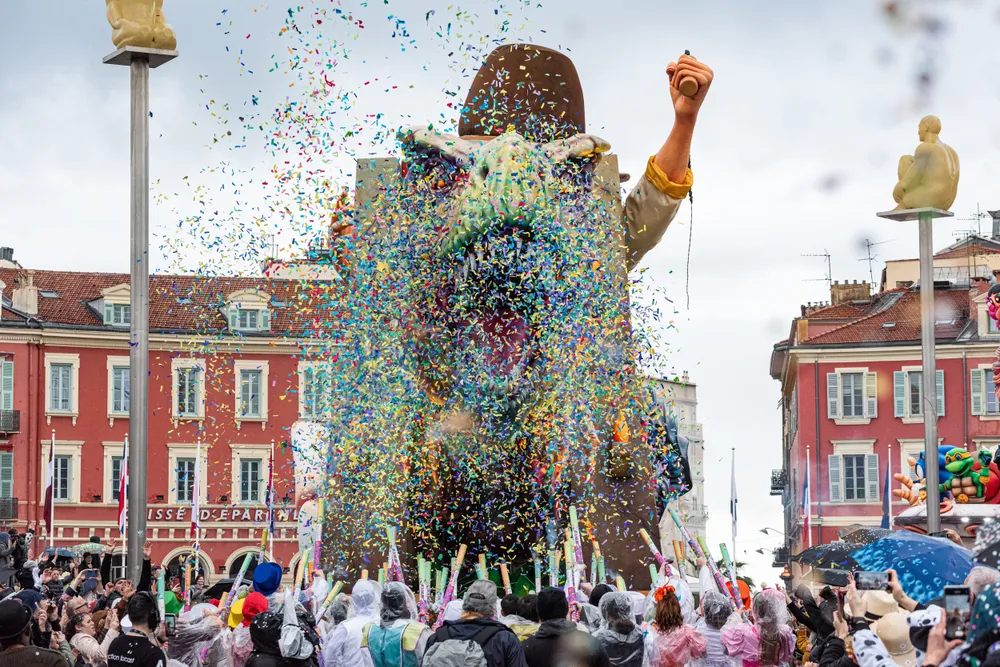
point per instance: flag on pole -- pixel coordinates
(805, 507)
(195, 493)
(123, 489)
(49, 517)
(733, 499)
(886, 511)
(270, 493)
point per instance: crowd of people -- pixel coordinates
(58, 612)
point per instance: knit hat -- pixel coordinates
(14, 618)
(267, 578)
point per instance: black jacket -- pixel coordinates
(502, 650)
(831, 652)
(559, 642)
(809, 615)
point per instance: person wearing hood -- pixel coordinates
(619, 635)
(240, 616)
(770, 640)
(716, 609)
(398, 639)
(590, 613)
(672, 642)
(499, 644)
(318, 590)
(339, 611)
(266, 634)
(558, 641)
(343, 645)
(195, 633)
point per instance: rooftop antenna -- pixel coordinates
(870, 258)
(829, 268)
(976, 217)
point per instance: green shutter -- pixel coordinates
(265, 320)
(233, 321)
(7, 385)
(832, 396)
(6, 475)
(976, 390)
(899, 393)
(108, 313)
(939, 391)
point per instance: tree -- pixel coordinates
(738, 566)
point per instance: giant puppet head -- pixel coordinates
(489, 345)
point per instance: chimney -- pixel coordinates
(846, 291)
(996, 224)
(25, 296)
(7, 258)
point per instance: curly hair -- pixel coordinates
(668, 613)
(74, 624)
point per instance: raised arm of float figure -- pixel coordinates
(653, 203)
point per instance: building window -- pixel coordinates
(6, 475)
(853, 472)
(250, 480)
(61, 477)
(248, 320)
(314, 390)
(120, 389)
(250, 384)
(908, 393)
(983, 392)
(187, 392)
(118, 314)
(116, 478)
(61, 388)
(185, 480)
(852, 394)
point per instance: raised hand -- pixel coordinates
(688, 66)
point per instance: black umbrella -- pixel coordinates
(835, 555)
(986, 550)
(220, 587)
(828, 577)
(863, 535)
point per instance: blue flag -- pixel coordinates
(886, 511)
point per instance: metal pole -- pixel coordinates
(928, 374)
(139, 333)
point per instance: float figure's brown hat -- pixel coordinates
(528, 89)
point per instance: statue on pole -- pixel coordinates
(929, 177)
(140, 23)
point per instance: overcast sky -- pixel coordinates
(795, 151)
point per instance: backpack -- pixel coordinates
(447, 651)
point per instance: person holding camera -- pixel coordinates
(139, 647)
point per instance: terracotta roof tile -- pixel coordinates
(297, 308)
(902, 321)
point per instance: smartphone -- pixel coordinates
(90, 574)
(871, 581)
(170, 622)
(841, 595)
(957, 609)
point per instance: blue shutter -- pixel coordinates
(939, 391)
(976, 382)
(899, 393)
(832, 396)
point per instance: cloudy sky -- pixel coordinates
(795, 151)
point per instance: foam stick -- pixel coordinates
(263, 545)
(593, 568)
(320, 513)
(652, 547)
(729, 566)
(160, 600)
(337, 587)
(538, 571)
(620, 584)
(720, 580)
(574, 608)
(482, 567)
(381, 576)
(699, 553)
(654, 575)
(679, 557)
(300, 571)
(577, 544)
(505, 578)
(553, 568)
(442, 578)
(364, 575)
(424, 578)
(396, 568)
(479, 571)
(600, 569)
(187, 585)
(449, 592)
(239, 579)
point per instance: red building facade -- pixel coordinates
(852, 393)
(227, 371)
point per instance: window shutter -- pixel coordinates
(832, 395)
(899, 393)
(871, 395)
(836, 470)
(108, 313)
(6, 475)
(976, 390)
(265, 320)
(939, 391)
(7, 385)
(233, 313)
(871, 477)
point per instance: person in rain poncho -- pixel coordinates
(343, 645)
(339, 611)
(318, 590)
(398, 639)
(619, 635)
(715, 611)
(769, 641)
(590, 613)
(240, 616)
(671, 643)
(194, 640)
(266, 632)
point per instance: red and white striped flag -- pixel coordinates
(48, 518)
(123, 489)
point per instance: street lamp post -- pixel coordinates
(139, 60)
(925, 216)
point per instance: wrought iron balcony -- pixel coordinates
(779, 480)
(8, 509)
(10, 421)
(780, 557)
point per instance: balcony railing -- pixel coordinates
(779, 480)
(8, 509)
(780, 557)
(10, 421)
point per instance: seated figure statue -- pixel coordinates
(140, 23)
(929, 177)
